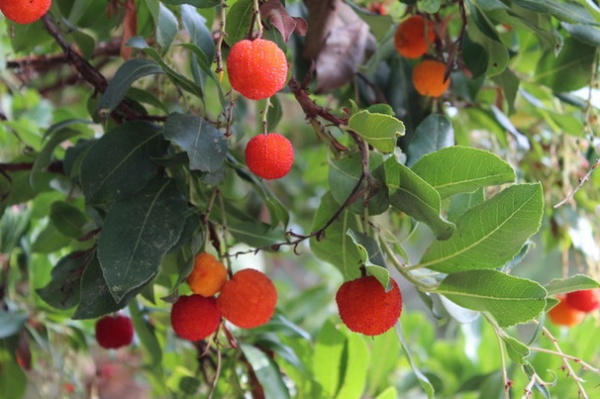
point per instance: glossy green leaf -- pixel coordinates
(239, 18)
(433, 133)
(266, 372)
(379, 130)
(120, 162)
(574, 283)
(204, 144)
(137, 233)
(166, 27)
(460, 169)
(510, 300)
(490, 234)
(63, 290)
(67, 219)
(128, 72)
(415, 197)
(570, 70)
(335, 246)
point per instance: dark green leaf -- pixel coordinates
(565, 10)
(67, 219)
(166, 27)
(433, 133)
(200, 35)
(239, 18)
(63, 291)
(587, 34)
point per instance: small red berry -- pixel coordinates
(270, 155)
(257, 68)
(584, 300)
(195, 317)
(365, 307)
(113, 332)
(565, 315)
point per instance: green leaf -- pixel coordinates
(13, 380)
(429, 6)
(372, 256)
(11, 323)
(388, 393)
(344, 175)
(356, 365)
(328, 367)
(570, 70)
(587, 34)
(120, 162)
(137, 233)
(516, 350)
(575, 283)
(166, 27)
(335, 246)
(128, 72)
(255, 234)
(145, 332)
(509, 82)
(37, 179)
(204, 144)
(568, 11)
(200, 35)
(510, 300)
(384, 350)
(459, 169)
(483, 32)
(266, 372)
(63, 290)
(415, 197)
(422, 378)
(195, 3)
(490, 234)
(433, 133)
(379, 130)
(67, 219)
(239, 18)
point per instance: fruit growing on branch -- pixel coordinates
(207, 276)
(257, 68)
(248, 300)
(366, 307)
(269, 156)
(584, 300)
(114, 332)
(565, 315)
(428, 78)
(194, 317)
(24, 11)
(414, 36)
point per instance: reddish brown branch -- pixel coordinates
(54, 167)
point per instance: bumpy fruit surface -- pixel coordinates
(584, 300)
(113, 332)
(207, 276)
(257, 68)
(24, 11)
(428, 78)
(365, 307)
(564, 315)
(248, 300)
(195, 317)
(414, 36)
(269, 156)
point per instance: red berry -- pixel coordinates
(564, 315)
(410, 38)
(257, 68)
(195, 317)
(24, 11)
(248, 300)
(113, 332)
(585, 300)
(365, 307)
(270, 155)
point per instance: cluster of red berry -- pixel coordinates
(573, 307)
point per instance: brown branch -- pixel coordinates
(581, 183)
(54, 167)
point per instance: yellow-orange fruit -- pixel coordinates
(257, 68)
(207, 276)
(248, 300)
(269, 156)
(414, 36)
(428, 78)
(365, 307)
(24, 11)
(565, 315)
(194, 317)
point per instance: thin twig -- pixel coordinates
(581, 183)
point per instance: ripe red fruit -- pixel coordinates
(24, 11)
(584, 300)
(113, 332)
(248, 300)
(365, 307)
(195, 317)
(270, 155)
(565, 315)
(414, 36)
(428, 78)
(257, 68)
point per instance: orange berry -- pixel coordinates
(207, 276)
(365, 307)
(584, 300)
(195, 317)
(248, 300)
(413, 36)
(113, 332)
(24, 11)
(257, 68)
(428, 78)
(564, 315)
(270, 155)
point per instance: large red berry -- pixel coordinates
(584, 300)
(24, 11)
(365, 307)
(414, 36)
(564, 315)
(270, 155)
(248, 300)
(195, 317)
(257, 68)
(113, 332)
